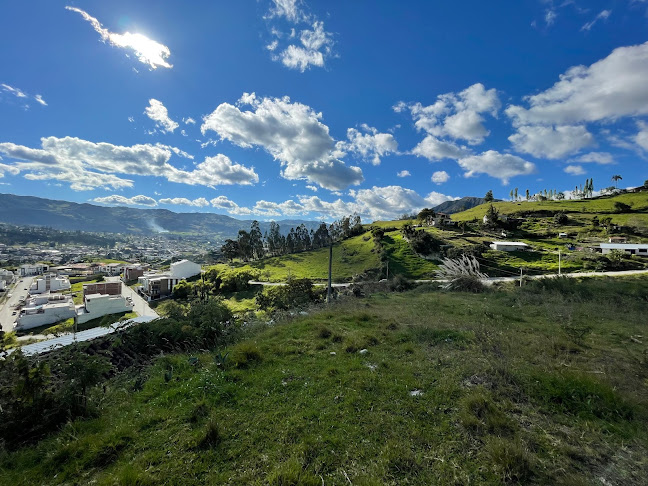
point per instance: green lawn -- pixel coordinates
(541, 385)
(350, 257)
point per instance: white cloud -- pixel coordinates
(440, 177)
(551, 142)
(201, 202)
(434, 149)
(126, 201)
(291, 132)
(403, 173)
(147, 50)
(495, 164)
(574, 170)
(273, 45)
(550, 17)
(87, 165)
(596, 158)
(642, 137)
(8, 168)
(312, 188)
(189, 121)
(603, 15)
(40, 99)
(131, 119)
(14, 91)
(609, 89)
(222, 202)
(289, 9)
(369, 144)
(316, 47)
(157, 112)
(456, 115)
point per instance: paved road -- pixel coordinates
(7, 319)
(282, 284)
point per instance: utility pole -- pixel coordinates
(387, 269)
(520, 276)
(559, 262)
(330, 273)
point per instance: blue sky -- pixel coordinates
(286, 108)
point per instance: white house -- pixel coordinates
(184, 269)
(99, 305)
(6, 276)
(43, 310)
(36, 269)
(629, 248)
(509, 246)
(2, 284)
(49, 283)
(112, 268)
(158, 285)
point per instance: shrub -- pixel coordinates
(297, 293)
(620, 207)
(211, 436)
(463, 274)
(560, 219)
(245, 355)
(237, 280)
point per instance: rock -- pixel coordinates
(363, 351)
(416, 393)
(332, 353)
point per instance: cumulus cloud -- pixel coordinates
(603, 15)
(642, 137)
(146, 50)
(602, 158)
(222, 202)
(495, 164)
(116, 199)
(609, 89)
(574, 170)
(551, 142)
(88, 165)
(200, 202)
(403, 173)
(40, 100)
(157, 112)
(8, 169)
(368, 144)
(189, 121)
(456, 115)
(316, 47)
(440, 177)
(434, 149)
(291, 132)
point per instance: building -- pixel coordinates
(44, 310)
(133, 272)
(617, 239)
(2, 284)
(509, 246)
(107, 288)
(185, 269)
(6, 277)
(629, 248)
(49, 283)
(36, 269)
(159, 285)
(99, 305)
(112, 268)
(442, 219)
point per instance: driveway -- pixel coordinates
(7, 319)
(141, 306)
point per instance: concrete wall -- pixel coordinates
(184, 269)
(102, 305)
(47, 314)
(108, 288)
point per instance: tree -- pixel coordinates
(425, 215)
(489, 196)
(511, 194)
(527, 194)
(256, 241)
(230, 249)
(245, 246)
(516, 193)
(182, 290)
(645, 185)
(616, 178)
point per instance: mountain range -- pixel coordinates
(70, 216)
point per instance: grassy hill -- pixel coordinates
(540, 385)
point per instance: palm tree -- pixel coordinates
(616, 178)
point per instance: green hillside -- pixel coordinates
(602, 205)
(540, 385)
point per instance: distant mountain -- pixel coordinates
(70, 216)
(450, 207)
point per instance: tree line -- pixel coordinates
(254, 245)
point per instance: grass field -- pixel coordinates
(605, 206)
(350, 257)
(541, 385)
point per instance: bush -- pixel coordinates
(245, 355)
(560, 219)
(237, 280)
(620, 207)
(297, 293)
